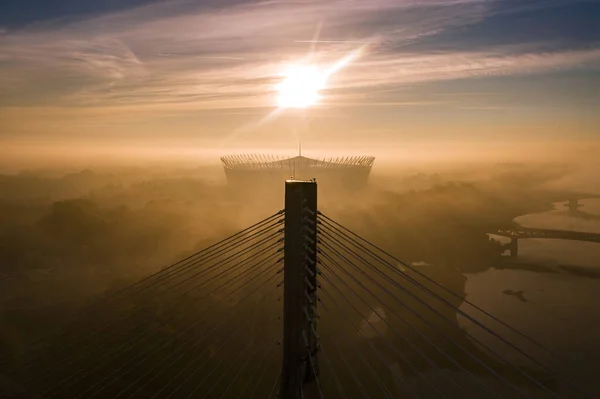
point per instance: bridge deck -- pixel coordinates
(548, 233)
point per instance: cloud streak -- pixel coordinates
(230, 57)
(415, 68)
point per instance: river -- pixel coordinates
(559, 305)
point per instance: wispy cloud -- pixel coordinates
(173, 54)
(399, 68)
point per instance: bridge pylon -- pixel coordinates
(573, 205)
(300, 340)
(514, 248)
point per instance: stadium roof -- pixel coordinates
(261, 162)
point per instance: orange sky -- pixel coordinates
(169, 76)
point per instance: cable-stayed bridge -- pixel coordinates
(294, 306)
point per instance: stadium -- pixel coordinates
(258, 170)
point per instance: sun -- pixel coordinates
(301, 86)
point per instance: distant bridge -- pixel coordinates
(523, 233)
(549, 233)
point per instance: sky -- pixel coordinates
(202, 75)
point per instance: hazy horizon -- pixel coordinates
(16, 157)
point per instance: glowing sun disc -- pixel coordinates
(300, 87)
